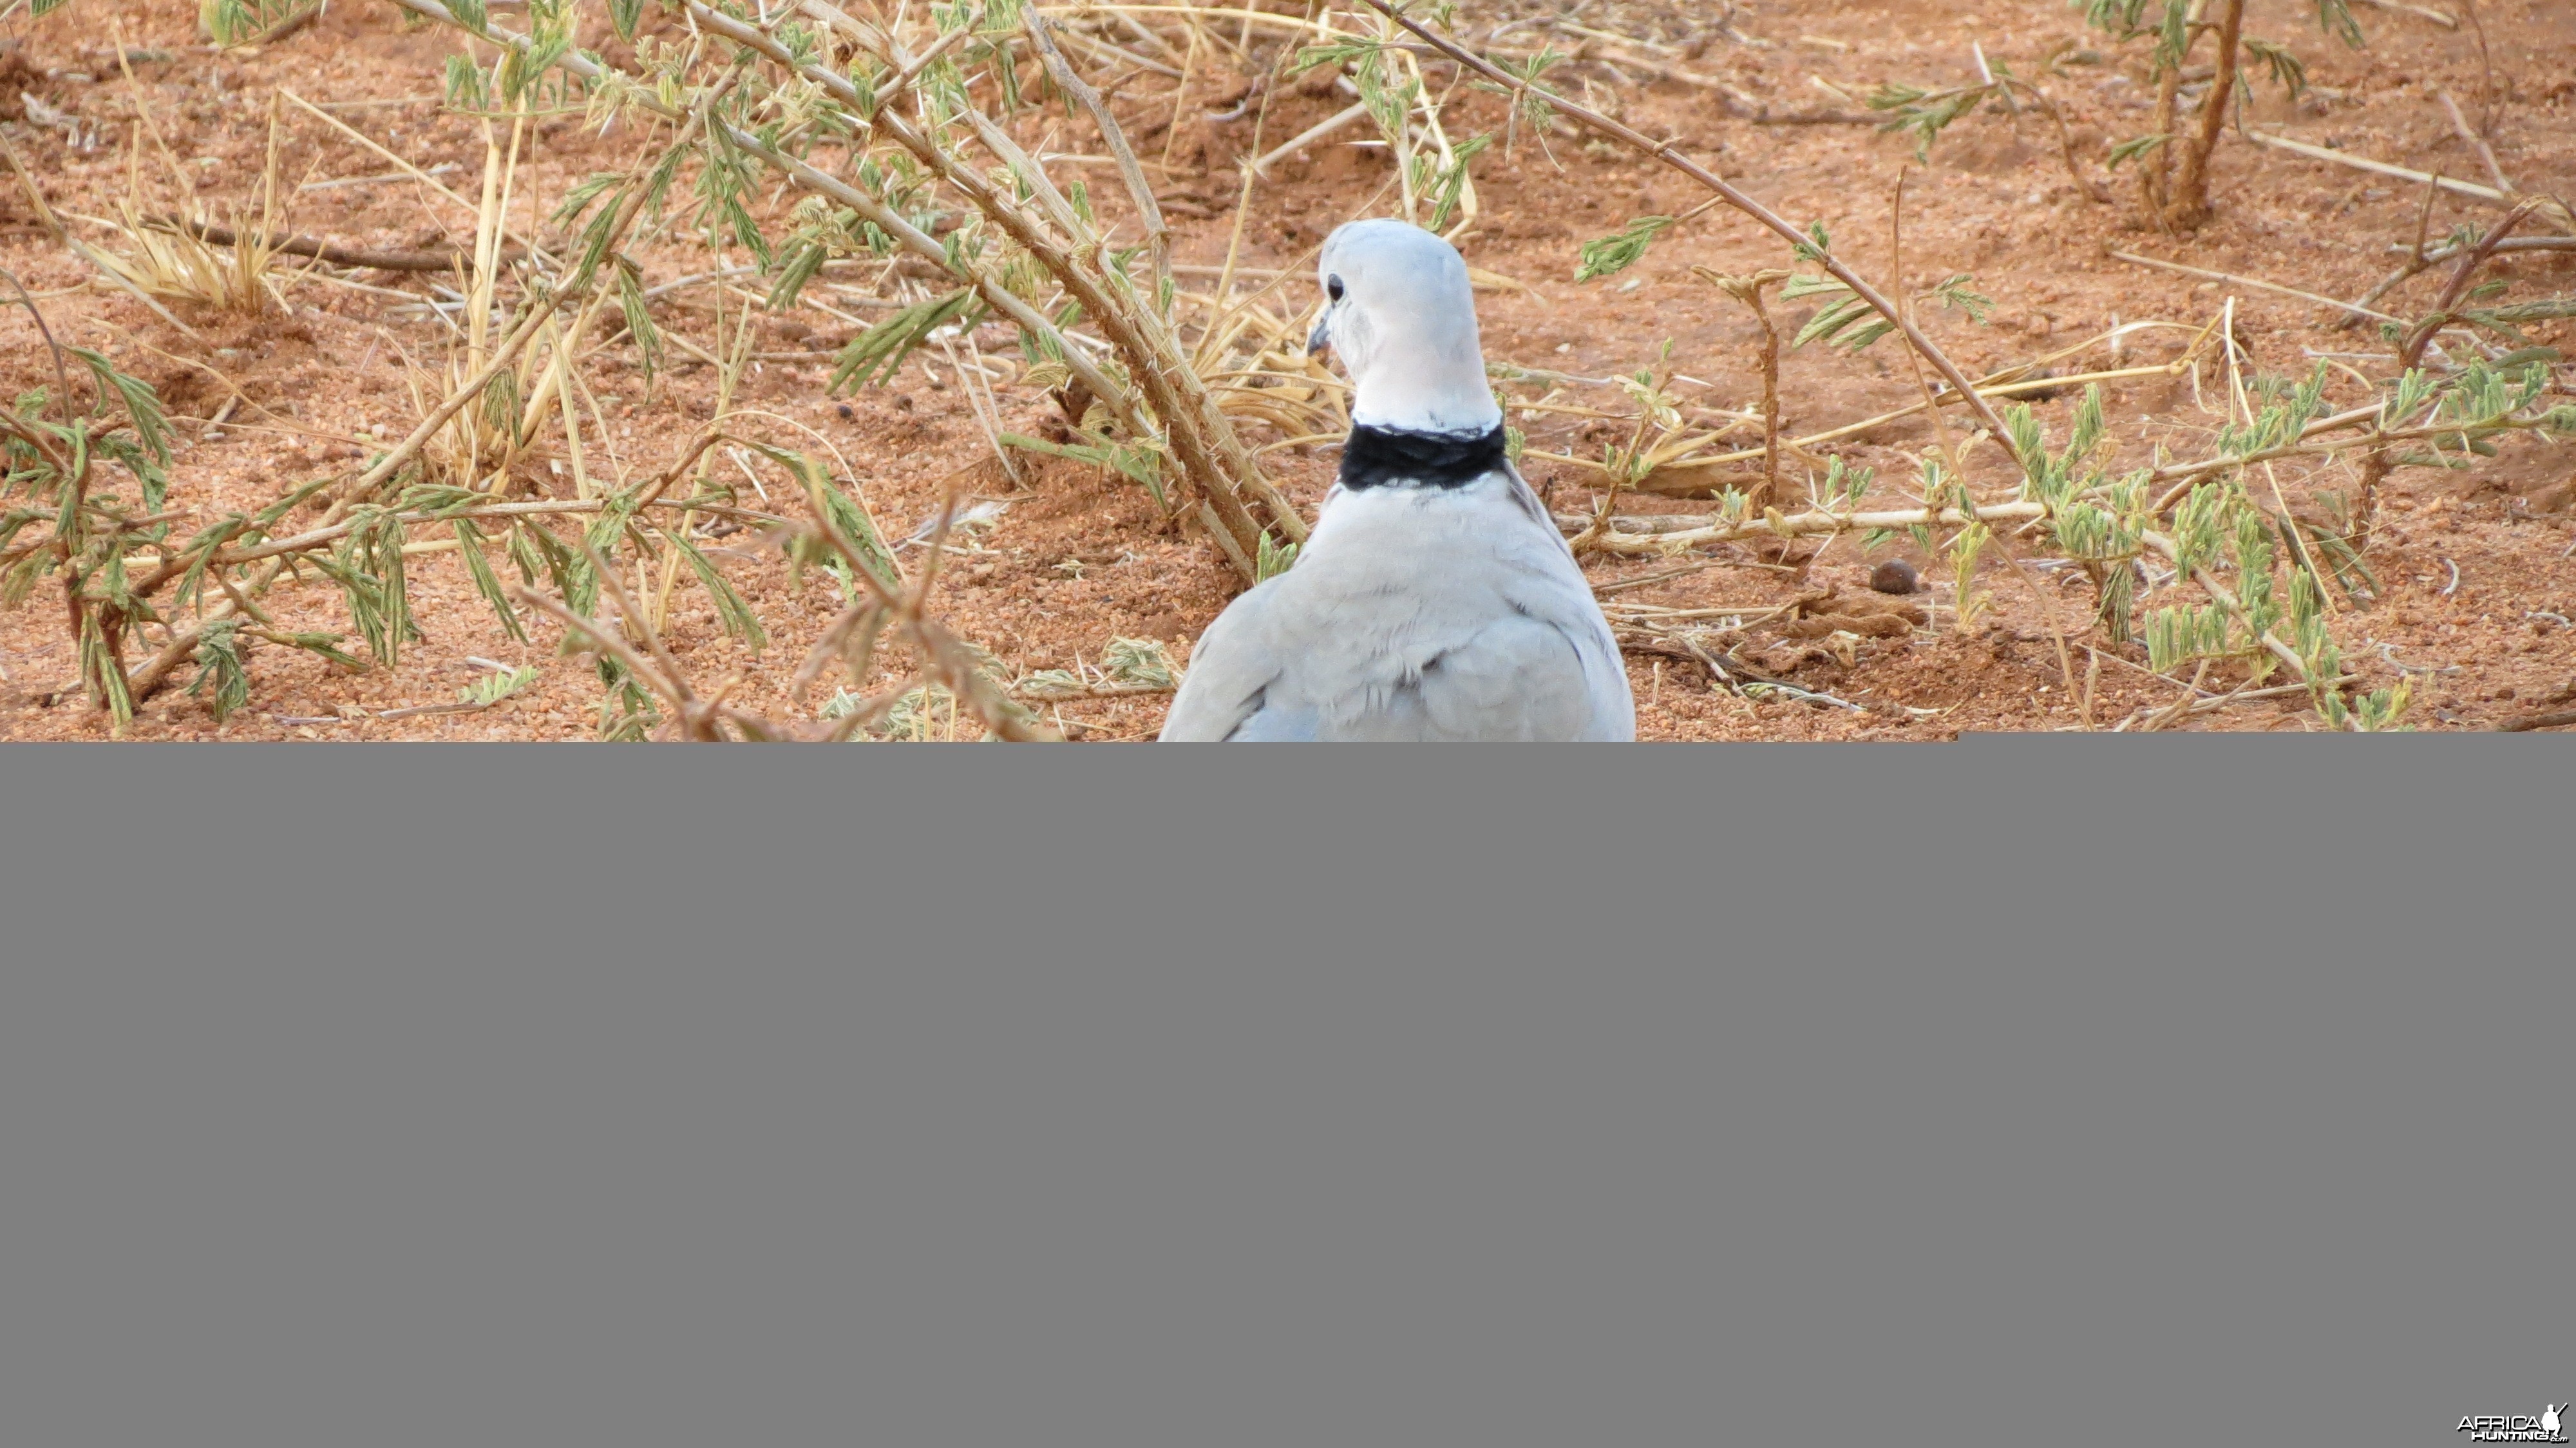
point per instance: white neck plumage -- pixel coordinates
(1418, 388)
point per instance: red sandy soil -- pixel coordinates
(1078, 559)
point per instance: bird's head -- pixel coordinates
(1399, 313)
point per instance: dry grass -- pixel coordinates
(161, 252)
(817, 141)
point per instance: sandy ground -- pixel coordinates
(1077, 559)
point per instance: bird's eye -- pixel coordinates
(1333, 288)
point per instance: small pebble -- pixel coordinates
(1895, 576)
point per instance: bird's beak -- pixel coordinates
(1322, 337)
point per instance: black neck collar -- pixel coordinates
(1381, 457)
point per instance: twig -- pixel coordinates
(938, 649)
(2190, 204)
(2420, 260)
(2471, 189)
(2489, 109)
(2238, 696)
(2375, 467)
(2003, 544)
(62, 377)
(605, 640)
(1310, 135)
(415, 172)
(2259, 285)
(1748, 290)
(2091, 190)
(393, 261)
(335, 183)
(1666, 152)
(2396, 7)
(1097, 691)
(2191, 696)
(1758, 111)
(154, 673)
(1202, 440)
(1796, 525)
(2486, 153)
(1139, 190)
(1649, 580)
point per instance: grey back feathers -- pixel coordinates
(1432, 608)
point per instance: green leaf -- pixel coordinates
(638, 313)
(1141, 461)
(571, 573)
(1142, 661)
(2130, 150)
(1609, 254)
(1956, 293)
(469, 544)
(492, 688)
(1338, 53)
(2173, 38)
(876, 354)
(735, 615)
(577, 200)
(2287, 70)
(467, 88)
(219, 663)
(1925, 115)
(1274, 559)
(101, 671)
(803, 262)
(845, 513)
(1835, 318)
(1450, 185)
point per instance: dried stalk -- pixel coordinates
(1791, 525)
(2421, 260)
(150, 677)
(2375, 465)
(1194, 456)
(2468, 134)
(2557, 211)
(2352, 308)
(2189, 207)
(394, 261)
(1202, 440)
(1748, 290)
(1139, 191)
(1923, 346)
(1670, 155)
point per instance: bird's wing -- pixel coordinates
(1465, 617)
(1230, 670)
(1499, 640)
(1565, 599)
(1544, 660)
(1518, 677)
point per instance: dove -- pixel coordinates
(1435, 598)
